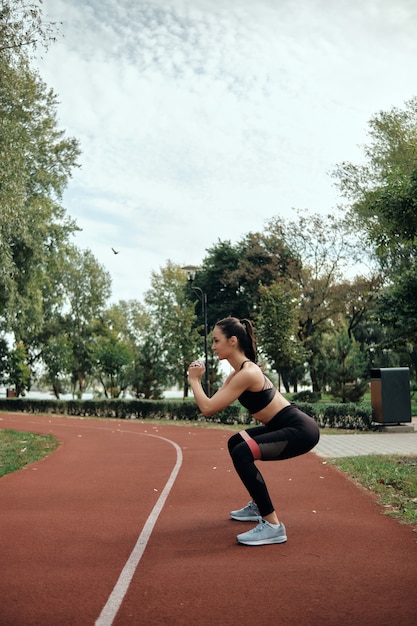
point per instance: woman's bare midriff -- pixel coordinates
(265, 415)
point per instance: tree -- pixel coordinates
(57, 359)
(231, 274)
(348, 374)
(383, 196)
(391, 151)
(147, 373)
(87, 289)
(397, 309)
(18, 369)
(37, 160)
(23, 28)
(113, 358)
(323, 249)
(173, 322)
(277, 326)
(4, 354)
(224, 296)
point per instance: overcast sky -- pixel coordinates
(200, 120)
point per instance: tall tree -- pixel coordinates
(112, 357)
(87, 288)
(57, 361)
(277, 327)
(383, 195)
(18, 369)
(324, 249)
(144, 374)
(347, 371)
(37, 161)
(174, 322)
(232, 273)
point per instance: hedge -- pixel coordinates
(348, 416)
(121, 409)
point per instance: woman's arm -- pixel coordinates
(233, 387)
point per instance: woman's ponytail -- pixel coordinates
(250, 348)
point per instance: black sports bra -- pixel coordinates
(255, 401)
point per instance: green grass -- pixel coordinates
(19, 449)
(393, 479)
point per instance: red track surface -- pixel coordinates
(69, 523)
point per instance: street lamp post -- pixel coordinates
(191, 272)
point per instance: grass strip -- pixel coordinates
(393, 478)
(18, 449)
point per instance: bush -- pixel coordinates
(121, 409)
(348, 416)
(307, 396)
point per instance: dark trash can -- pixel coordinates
(390, 395)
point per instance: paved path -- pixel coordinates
(332, 446)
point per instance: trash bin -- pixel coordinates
(390, 395)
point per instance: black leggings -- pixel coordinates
(290, 433)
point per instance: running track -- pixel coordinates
(127, 524)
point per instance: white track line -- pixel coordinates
(116, 597)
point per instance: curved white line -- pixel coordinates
(116, 597)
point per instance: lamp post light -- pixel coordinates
(191, 272)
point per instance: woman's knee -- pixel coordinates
(233, 441)
(241, 454)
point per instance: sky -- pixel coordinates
(200, 120)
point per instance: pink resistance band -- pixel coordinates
(253, 446)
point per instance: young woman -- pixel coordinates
(284, 430)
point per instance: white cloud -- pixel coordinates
(200, 120)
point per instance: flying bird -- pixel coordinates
(115, 251)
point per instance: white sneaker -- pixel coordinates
(264, 533)
(249, 513)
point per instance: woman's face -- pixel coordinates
(221, 346)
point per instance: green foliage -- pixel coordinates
(384, 208)
(307, 396)
(397, 308)
(347, 371)
(145, 373)
(87, 288)
(348, 416)
(4, 353)
(122, 409)
(37, 160)
(112, 357)
(18, 369)
(324, 247)
(57, 358)
(232, 273)
(277, 328)
(173, 323)
(23, 27)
